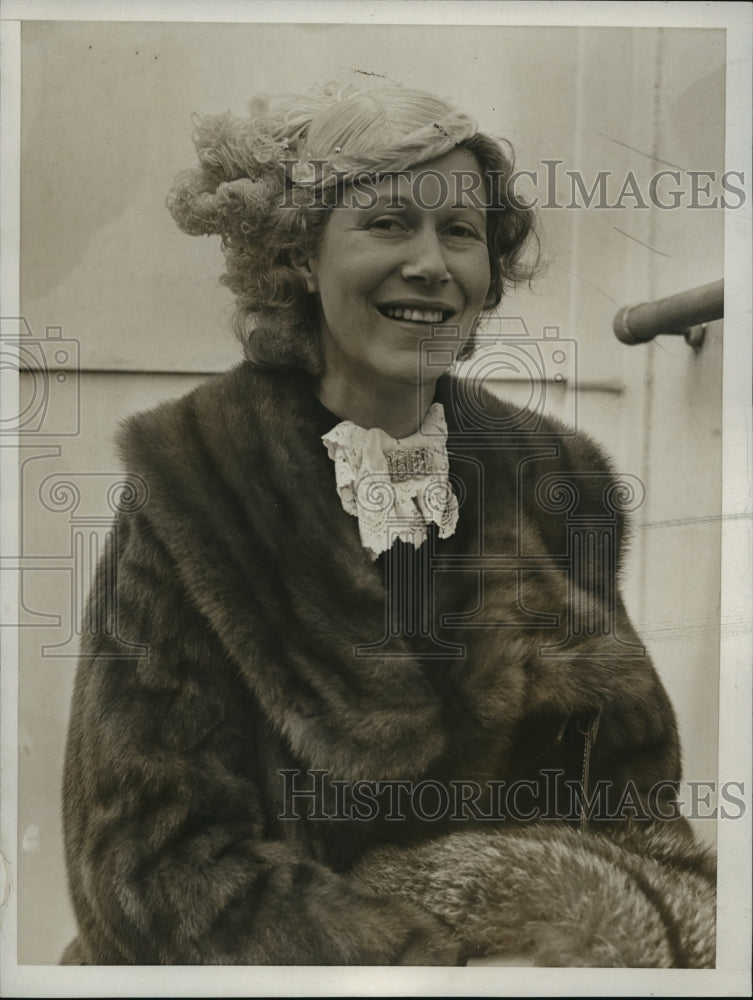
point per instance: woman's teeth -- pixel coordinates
(415, 315)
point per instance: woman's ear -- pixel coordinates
(306, 267)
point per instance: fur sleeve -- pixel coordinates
(166, 848)
(582, 509)
(644, 898)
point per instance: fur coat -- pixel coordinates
(267, 763)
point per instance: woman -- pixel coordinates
(385, 712)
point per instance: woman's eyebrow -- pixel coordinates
(385, 199)
(390, 200)
(464, 206)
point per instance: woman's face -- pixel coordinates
(389, 275)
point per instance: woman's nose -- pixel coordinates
(426, 260)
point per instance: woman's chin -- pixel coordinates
(414, 364)
(412, 374)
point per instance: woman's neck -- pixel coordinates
(397, 408)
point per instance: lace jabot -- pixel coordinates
(396, 488)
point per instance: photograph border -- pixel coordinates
(732, 975)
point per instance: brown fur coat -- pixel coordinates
(246, 654)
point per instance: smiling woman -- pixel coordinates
(385, 277)
(390, 708)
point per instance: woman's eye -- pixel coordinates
(463, 231)
(387, 225)
(384, 224)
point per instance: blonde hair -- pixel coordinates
(266, 184)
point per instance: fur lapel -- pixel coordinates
(242, 494)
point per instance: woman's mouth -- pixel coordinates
(414, 315)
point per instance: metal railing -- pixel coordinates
(683, 314)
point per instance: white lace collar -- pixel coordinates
(396, 488)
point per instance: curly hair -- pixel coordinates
(267, 184)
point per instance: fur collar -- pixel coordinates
(242, 494)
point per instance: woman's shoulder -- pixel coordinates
(488, 422)
(222, 412)
(553, 470)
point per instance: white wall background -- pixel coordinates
(105, 126)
